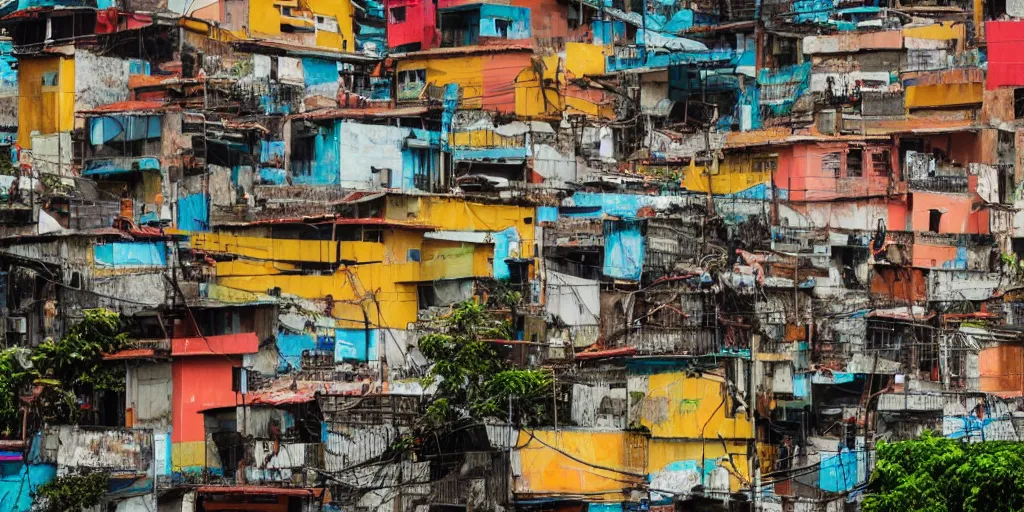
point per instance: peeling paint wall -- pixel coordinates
(100, 80)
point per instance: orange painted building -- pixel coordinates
(1002, 370)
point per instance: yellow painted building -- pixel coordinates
(685, 425)
(46, 97)
(378, 278)
(732, 175)
(694, 422)
(591, 464)
(944, 95)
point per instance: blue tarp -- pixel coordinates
(352, 345)
(273, 175)
(503, 241)
(120, 166)
(19, 481)
(193, 214)
(604, 507)
(271, 151)
(801, 385)
(131, 254)
(290, 347)
(319, 72)
(780, 88)
(838, 472)
(623, 250)
(547, 214)
(122, 127)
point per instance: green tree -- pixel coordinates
(60, 369)
(472, 382)
(73, 492)
(935, 474)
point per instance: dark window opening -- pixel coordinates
(1018, 103)
(934, 219)
(855, 163)
(501, 27)
(398, 15)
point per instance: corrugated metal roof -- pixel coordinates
(465, 50)
(362, 113)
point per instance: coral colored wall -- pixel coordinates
(199, 383)
(958, 216)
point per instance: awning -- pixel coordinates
(107, 167)
(225, 344)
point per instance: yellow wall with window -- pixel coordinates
(465, 71)
(265, 20)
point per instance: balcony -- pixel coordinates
(948, 184)
(286, 464)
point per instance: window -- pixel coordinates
(768, 165)
(501, 28)
(934, 219)
(854, 163)
(411, 83)
(831, 164)
(398, 15)
(881, 164)
(1018, 103)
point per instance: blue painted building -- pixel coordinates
(465, 25)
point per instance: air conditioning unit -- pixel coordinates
(18, 324)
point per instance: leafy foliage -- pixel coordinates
(12, 378)
(72, 364)
(76, 359)
(472, 381)
(74, 492)
(935, 474)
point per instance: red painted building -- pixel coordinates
(1005, 53)
(412, 25)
